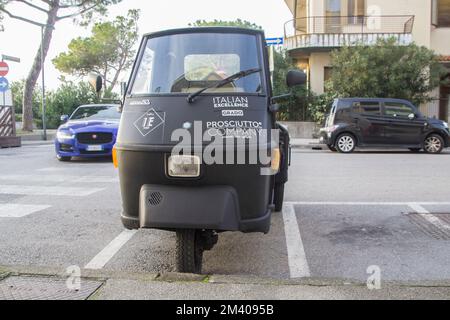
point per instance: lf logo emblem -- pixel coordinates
(150, 121)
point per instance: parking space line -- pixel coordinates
(298, 265)
(10, 210)
(101, 259)
(317, 203)
(430, 218)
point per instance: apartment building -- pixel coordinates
(320, 26)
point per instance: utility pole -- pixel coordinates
(44, 107)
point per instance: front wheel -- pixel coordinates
(63, 159)
(346, 143)
(190, 247)
(434, 144)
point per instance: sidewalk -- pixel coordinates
(36, 135)
(35, 138)
(103, 285)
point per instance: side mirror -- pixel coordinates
(295, 78)
(64, 118)
(412, 116)
(96, 82)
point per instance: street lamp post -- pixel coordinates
(44, 107)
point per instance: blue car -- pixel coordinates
(90, 132)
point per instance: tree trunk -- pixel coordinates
(33, 76)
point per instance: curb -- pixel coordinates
(36, 143)
(309, 146)
(174, 277)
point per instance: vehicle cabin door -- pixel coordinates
(401, 129)
(368, 121)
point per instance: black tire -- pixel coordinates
(346, 143)
(63, 159)
(189, 251)
(278, 197)
(415, 150)
(331, 148)
(433, 144)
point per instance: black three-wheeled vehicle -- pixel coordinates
(210, 83)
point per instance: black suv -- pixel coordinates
(392, 123)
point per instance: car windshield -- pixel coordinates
(96, 113)
(185, 63)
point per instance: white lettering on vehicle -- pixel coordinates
(230, 102)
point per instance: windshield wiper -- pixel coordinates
(221, 83)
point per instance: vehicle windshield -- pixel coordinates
(186, 63)
(96, 113)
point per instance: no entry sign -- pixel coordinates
(4, 69)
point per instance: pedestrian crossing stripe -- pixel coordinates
(48, 190)
(55, 178)
(11, 210)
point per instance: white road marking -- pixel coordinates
(101, 259)
(298, 265)
(73, 167)
(430, 218)
(60, 178)
(10, 210)
(368, 203)
(48, 191)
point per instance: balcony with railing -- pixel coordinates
(336, 31)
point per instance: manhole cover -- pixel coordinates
(436, 225)
(44, 288)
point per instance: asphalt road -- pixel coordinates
(344, 213)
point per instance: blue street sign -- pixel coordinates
(275, 41)
(4, 85)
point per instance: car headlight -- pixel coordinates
(64, 135)
(183, 166)
(446, 125)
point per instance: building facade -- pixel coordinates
(320, 26)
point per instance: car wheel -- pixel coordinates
(331, 148)
(415, 150)
(63, 159)
(346, 143)
(189, 251)
(434, 144)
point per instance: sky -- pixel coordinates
(22, 40)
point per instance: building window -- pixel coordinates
(333, 23)
(333, 8)
(356, 11)
(441, 13)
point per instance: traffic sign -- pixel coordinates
(275, 41)
(4, 68)
(4, 85)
